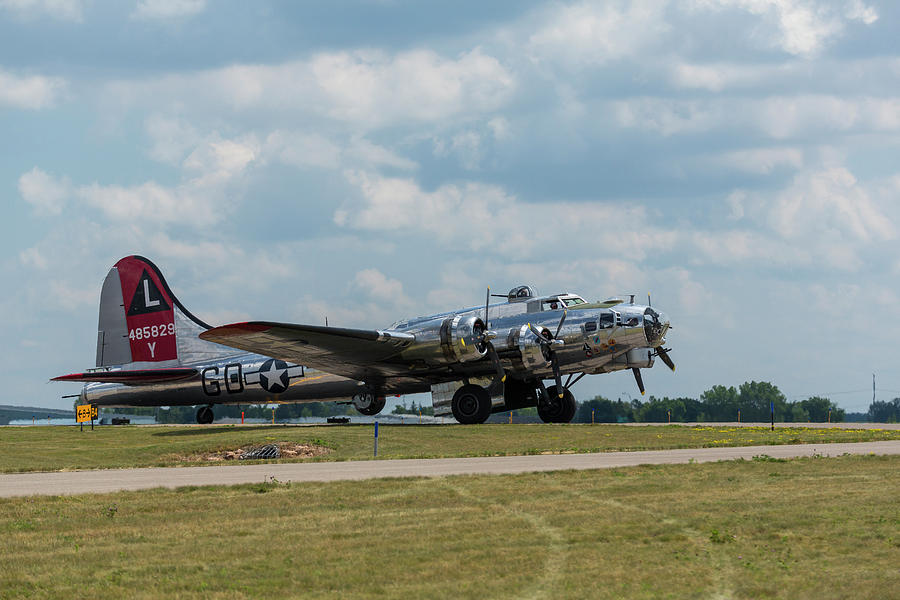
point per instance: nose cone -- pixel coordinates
(656, 324)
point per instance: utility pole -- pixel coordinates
(873, 388)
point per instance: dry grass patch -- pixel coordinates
(288, 451)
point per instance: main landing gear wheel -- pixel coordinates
(471, 404)
(205, 415)
(368, 404)
(555, 409)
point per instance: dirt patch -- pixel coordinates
(288, 450)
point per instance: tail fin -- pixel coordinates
(142, 323)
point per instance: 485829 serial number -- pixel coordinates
(152, 331)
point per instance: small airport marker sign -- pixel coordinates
(86, 412)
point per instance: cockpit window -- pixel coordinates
(559, 303)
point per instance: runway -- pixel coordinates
(112, 480)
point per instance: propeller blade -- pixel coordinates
(487, 301)
(637, 377)
(664, 356)
(559, 386)
(561, 321)
(538, 333)
(495, 360)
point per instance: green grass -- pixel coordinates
(808, 528)
(67, 448)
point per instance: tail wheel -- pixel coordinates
(471, 404)
(554, 409)
(205, 415)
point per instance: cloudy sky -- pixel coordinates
(373, 160)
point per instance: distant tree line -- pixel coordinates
(753, 399)
(402, 409)
(719, 403)
(885, 411)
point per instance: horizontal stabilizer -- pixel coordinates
(134, 377)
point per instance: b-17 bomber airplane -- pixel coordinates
(151, 351)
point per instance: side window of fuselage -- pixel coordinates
(607, 320)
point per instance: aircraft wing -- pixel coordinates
(356, 353)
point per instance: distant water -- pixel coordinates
(71, 421)
(39, 421)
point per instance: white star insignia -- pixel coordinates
(273, 376)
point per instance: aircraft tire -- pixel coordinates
(555, 409)
(205, 415)
(373, 408)
(471, 404)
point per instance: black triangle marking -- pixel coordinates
(147, 298)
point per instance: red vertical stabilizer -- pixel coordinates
(149, 311)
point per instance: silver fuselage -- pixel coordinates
(595, 340)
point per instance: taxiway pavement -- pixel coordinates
(112, 480)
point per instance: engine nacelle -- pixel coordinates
(458, 335)
(641, 358)
(532, 354)
(448, 340)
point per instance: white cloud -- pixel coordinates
(829, 201)
(73, 297)
(594, 33)
(716, 77)
(32, 257)
(364, 89)
(300, 149)
(465, 216)
(500, 128)
(163, 245)
(363, 151)
(44, 192)
(201, 199)
(64, 10)
(465, 145)
(30, 92)
(219, 160)
(730, 247)
(779, 117)
(823, 219)
(418, 85)
(859, 11)
(762, 161)
(667, 117)
(141, 203)
(799, 27)
(170, 137)
(167, 9)
(303, 149)
(377, 285)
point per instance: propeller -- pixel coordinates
(549, 342)
(660, 351)
(638, 379)
(663, 354)
(485, 338)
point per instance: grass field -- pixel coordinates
(806, 528)
(66, 448)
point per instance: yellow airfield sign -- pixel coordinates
(85, 412)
